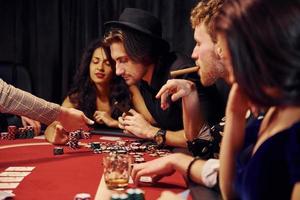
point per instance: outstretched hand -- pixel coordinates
(72, 119)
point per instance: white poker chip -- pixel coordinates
(82, 196)
(146, 179)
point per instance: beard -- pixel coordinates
(211, 72)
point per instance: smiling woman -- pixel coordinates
(94, 91)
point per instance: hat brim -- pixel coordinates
(110, 24)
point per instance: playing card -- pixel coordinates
(20, 169)
(14, 179)
(14, 173)
(8, 185)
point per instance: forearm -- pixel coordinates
(231, 144)
(173, 138)
(176, 138)
(182, 166)
(192, 116)
(18, 102)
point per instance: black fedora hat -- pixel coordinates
(139, 20)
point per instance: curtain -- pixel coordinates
(48, 37)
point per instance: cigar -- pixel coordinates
(184, 71)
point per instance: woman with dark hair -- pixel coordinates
(95, 91)
(261, 48)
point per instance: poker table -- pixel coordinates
(76, 171)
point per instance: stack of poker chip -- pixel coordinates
(19, 133)
(131, 194)
(122, 196)
(74, 138)
(12, 132)
(139, 194)
(22, 134)
(29, 132)
(115, 197)
(4, 136)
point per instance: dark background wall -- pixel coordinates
(48, 36)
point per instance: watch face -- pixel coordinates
(159, 139)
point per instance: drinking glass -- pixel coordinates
(117, 170)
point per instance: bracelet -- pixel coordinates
(188, 171)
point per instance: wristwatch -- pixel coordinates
(160, 138)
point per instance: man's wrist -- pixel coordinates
(189, 169)
(151, 132)
(160, 138)
(183, 164)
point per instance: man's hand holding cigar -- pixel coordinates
(176, 88)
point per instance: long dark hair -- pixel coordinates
(83, 91)
(263, 37)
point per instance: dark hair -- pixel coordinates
(83, 91)
(263, 37)
(138, 46)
